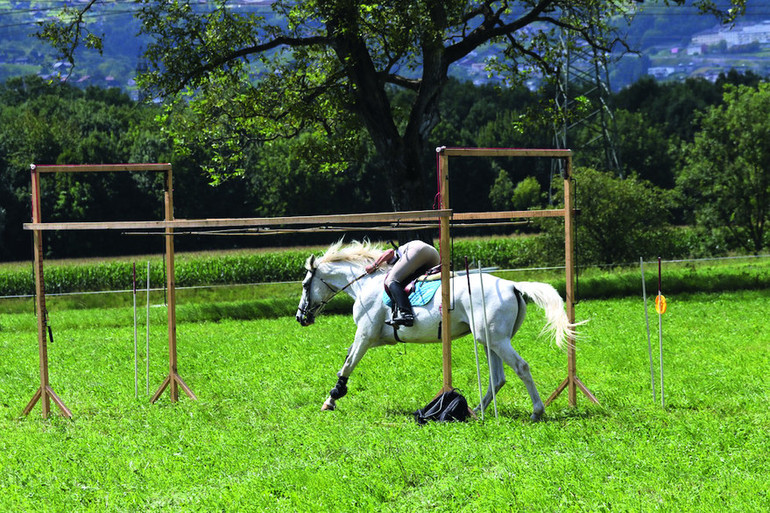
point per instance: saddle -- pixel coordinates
(420, 290)
(432, 274)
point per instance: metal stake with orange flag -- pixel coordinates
(660, 307)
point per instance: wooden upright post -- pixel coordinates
(446, 257)
(173, 379)
(45, 393)
(571, 382)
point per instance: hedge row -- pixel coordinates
(279, 266)
(190, 271)
(230, 269)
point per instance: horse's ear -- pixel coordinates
(310, 262)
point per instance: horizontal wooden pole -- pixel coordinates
(510, 214)
(89, 168)
(504, 152)
(381, 217)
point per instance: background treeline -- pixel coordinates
(53, 123)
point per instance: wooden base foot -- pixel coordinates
(173, 379)
(46, 395)
(574, 383)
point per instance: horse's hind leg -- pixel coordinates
(497, 379)
(518, 364)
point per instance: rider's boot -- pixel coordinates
(402, 311)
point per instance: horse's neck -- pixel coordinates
(343, 275)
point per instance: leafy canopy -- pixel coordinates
(235, 79)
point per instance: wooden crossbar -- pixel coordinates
(512, 214)
(504, 152)
(106, 168)
(381, 217)
(386, 217)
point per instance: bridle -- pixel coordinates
(312, 268)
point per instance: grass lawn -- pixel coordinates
(256, 439)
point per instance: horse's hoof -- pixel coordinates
(536, 417)
(327, 406)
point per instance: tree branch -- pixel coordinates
(242, 53)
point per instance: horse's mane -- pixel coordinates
(355, 252)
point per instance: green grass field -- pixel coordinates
(256, 439)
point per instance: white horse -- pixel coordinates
(342, 268)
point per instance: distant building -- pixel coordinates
(695, 49)
(661, 71)
(734, 36)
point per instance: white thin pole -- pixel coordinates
(147, 338)
(486, 336)
(136, 367)
(647, 320)
(473, 334)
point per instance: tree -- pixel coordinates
(501, 193)
(527, 194)
(329, 66)
(57, 123)
(620, 220)
(645, 148)
(727, 168)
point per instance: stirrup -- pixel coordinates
(402, 318)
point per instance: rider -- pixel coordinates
(409, 261)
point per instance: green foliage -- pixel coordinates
(620, 220)
(506, 253)
(726, 179)
(58, 124)
(501, 193)
(653, 119)
(256, 440)
(50, 123)
(645, 148)
(527, 194)
(117, 275)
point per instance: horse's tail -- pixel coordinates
(548, 298)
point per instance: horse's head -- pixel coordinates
(315, 293)
(332, 273)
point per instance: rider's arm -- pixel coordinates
(385, 257)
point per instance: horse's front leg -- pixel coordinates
(355, 353)
(338, 392)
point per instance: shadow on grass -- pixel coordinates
(519, 414)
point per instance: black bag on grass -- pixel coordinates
(447, 407)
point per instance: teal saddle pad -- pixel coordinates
(423, 292)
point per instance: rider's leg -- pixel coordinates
(416, 258)
(402, 310)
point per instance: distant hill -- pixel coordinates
(667, 39)
(663, 35)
